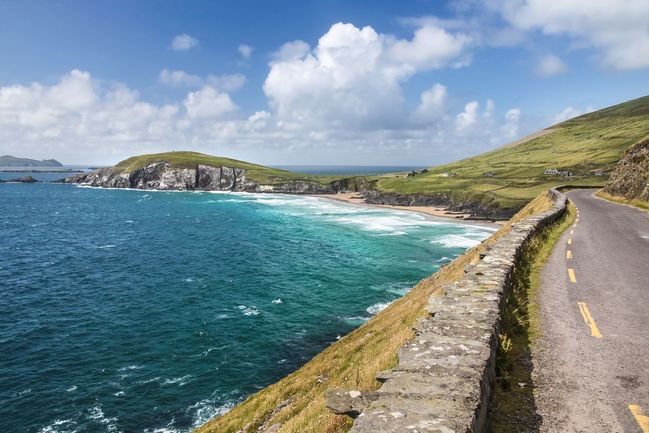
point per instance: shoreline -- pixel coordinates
(426, 211)
(355, 199)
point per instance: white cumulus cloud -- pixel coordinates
(616, 28)
(339, 99)
(225, 82)
(570, 112)
(179, 78)
(549, 66)
(245, 51)
(291, 51)
(467, 119)
(352, 78)
(208, 102)
(432, 106)
(512, 124)
(183, 42)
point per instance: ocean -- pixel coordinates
(143, 311)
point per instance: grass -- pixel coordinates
(512, 409)
(582, 145)
(641, 204)
(350, 363)
(186, 159)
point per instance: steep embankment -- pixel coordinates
(630, 179)
(297, 402)
(505, 179)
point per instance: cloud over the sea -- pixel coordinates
(342, 100)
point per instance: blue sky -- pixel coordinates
(358, 82)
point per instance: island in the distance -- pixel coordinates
(12, 161)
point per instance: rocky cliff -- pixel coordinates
(475, 208)
(164, 176)
(630, 179)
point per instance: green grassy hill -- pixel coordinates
(589, 146)
(512, 175)
(186, 159)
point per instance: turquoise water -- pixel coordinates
(137, 311)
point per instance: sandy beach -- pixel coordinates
(440, 212)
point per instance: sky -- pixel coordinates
(330, 82)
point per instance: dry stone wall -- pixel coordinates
(445, 376)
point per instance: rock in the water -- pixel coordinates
(26, 179)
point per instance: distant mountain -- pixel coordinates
(12, 161)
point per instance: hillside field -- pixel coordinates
(512, 175)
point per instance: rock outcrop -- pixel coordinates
(163, 176)
(630, 179)
(26, 179)
(475, 208)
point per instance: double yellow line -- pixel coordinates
(636, 410)
(588, 319)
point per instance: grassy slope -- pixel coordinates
(640, 204)
(593, 141)
(184, 159)
(512, 409)
(351, 362)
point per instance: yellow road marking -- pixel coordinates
(569, 254)
(643, 420)
(571, 274)
(588, 319)
(569, 241)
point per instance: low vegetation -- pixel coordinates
(185, 159)
(642, 204)
(296, 403)
(513, 409)
(588, 146)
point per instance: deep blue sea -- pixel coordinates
(140, 311)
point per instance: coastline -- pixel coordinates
(426, 211)
(355, 199)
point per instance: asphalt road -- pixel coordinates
(591, 365)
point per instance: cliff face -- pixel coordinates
(630, 179)
(475, 208)
(163, 176)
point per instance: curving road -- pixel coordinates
(591, 366)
